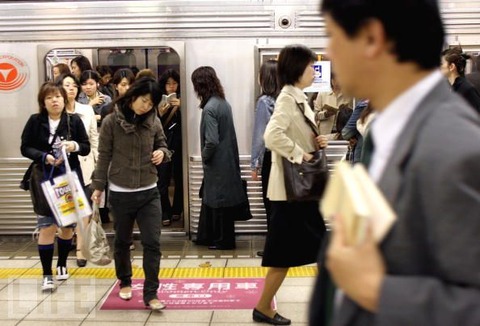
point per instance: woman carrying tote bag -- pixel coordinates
(44, 133)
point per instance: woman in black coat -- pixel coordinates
(42, 138)
(453, 66)
(222, 187)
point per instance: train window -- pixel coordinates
(158, 59)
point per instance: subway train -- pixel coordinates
(234, 37)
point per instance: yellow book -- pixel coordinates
(353, 195)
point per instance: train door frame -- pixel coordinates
(179, 47)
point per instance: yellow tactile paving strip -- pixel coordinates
(190, 272)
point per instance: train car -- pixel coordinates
(234, 37)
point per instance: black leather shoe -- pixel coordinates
(260, 253)
(81, 262)
(276, 320)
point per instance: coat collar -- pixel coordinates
(295, 92)
(301, 100)
(130, 127)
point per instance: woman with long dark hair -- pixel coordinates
(222, 187)
(170, 114)
(131, 144)
(454, 62)
(261, 158)
(80, 64)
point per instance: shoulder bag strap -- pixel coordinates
(170, 116)
(312, 126)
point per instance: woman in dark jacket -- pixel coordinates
(131, 144)
(453, 66)
(222, 187)
(170, 114)
(42, 138)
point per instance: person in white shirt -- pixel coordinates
(426, 270)
(71, 85)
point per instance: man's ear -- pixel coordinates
(374, 36)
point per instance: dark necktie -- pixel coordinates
(367, 149)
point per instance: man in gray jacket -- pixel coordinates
(426, 155)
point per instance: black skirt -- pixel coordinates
(295, 234)
(216, 227)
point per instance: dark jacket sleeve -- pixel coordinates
(350, 129)
(212, 136)
(29, 146)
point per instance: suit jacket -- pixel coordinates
(432, 253)
(288, 135)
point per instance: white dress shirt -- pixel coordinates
(389, 123)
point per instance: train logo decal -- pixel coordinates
(14, 73)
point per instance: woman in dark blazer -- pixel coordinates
(43, 136)
(453, 66)
(222, 187)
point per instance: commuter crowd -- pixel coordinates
(404, 104)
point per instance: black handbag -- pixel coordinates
(241, 212)
(39, 201)
(306, 181)
(25, 183)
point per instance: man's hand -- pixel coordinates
(358, 269)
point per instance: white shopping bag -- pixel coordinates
(68, 206)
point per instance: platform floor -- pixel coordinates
(23, 303)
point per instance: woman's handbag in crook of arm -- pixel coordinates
(306, 181)
(96, 248)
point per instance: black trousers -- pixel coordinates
(165, 173)
(144, 208)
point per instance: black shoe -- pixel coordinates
(260, 253)
(276, 320)
(81, 262)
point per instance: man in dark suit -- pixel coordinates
(426, 154)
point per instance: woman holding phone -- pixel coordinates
(170, 115)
